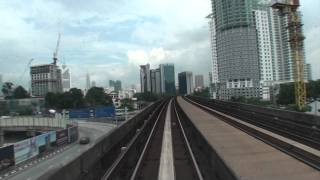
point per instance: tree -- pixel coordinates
(77, 98)
(51, 100)
(7, 90)
(204, 93)
(97, 97)
(127, 103)
(20, 93)
(286, 95)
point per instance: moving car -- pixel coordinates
(84, 140)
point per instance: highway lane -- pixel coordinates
(90, 129)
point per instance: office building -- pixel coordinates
(250, 40)
(1, 84)
(308, 72)
(185, 80)
(66, 78)
(155, 76)
(198, 81)
(93, 84)
(213, 75)
(45, 78)
(116, 85)
(167, 79)
(145, 78)
(88, 82)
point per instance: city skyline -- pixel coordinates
(115, 43)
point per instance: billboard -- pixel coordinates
(53, 137)
(6, 157)
(62, 137)
(98, 112)
(107, 111)
(25, 150)
(79, 113)
(72, 134)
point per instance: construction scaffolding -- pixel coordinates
(289, 8)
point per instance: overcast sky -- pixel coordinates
(109, 39)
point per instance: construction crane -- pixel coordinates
(55, 53)
(289, 8)
(25, 70)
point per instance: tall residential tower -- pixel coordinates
(236, 46)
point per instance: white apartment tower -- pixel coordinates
(214, 78)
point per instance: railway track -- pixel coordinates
(159, 150)
(304, 133)
(294, 151)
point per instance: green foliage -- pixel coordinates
(203, 93)
(286, 95)
(127, 103)
(147, 96)
(97, 97)
(20, 93)
(67, 100)
(7, 90)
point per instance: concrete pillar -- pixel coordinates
(1, 137)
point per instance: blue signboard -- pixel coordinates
(108, 111)
(79, 113)
(96, 112)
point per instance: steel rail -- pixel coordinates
(194, 162)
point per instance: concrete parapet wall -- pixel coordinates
(96, 160)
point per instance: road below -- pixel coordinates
(93, 130)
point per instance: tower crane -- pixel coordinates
(296, 38)
(55, 53)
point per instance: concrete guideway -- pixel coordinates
(237, 155)
(166, 167)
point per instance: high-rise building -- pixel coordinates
(45, 78)
(198, 81)
(250, 41)
(167, 79)
(66, 78)
(1, 84)
(93, 84)
(116, 85)
(88, 82)
(145, 78)
(283, 54)
(185, 82)
(213, 75)
(308, 72)
(155, 76)
(237, 51)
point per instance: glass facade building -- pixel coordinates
(167, 79)
(185, 80)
